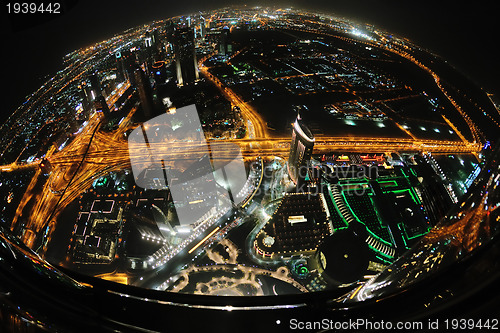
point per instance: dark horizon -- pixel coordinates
(461, 34)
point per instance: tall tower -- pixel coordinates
(95, 86)
(169, 31)
(159, 72)
(126, 63)
(300, 151)
(145, 92)
(203, 27)
(152, 45)
(225, 47)
(185, 56)
(101, 106)
(120, 67)
(87, 100)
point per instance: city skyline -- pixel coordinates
(445, 34)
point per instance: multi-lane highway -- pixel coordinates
(93, 153)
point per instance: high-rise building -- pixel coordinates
(101, 106)
(301, 149)
(203, 27)
(169, 31)
(149, 40)
(185, 56)
(125, 63)
(87, 100)
(168, 40)
(145, 92)
(152, 47)
(225, 47)
(159, 72)
(95, 86)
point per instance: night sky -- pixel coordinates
(464, 33)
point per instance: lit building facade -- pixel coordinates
(301, 149)
(186, 65)
(145, 92)
(225, 47)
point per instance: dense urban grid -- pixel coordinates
(318, 152)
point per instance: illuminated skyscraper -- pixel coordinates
(149, 40)
(87, 99)
(301, 149)
(225, 47)
(185, 56)
(145, 92)
(159, 72)
(95, 86)
(101, 106)
(125, 63)
(152, 48)
(169, 31)
(203, 27)
(120, 67)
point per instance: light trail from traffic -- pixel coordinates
(108, 152)
(258, 126)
